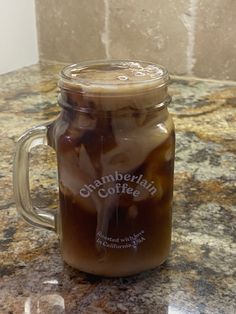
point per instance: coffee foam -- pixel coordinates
(115, 84)
(121, 73)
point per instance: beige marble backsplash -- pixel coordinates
(189, 37)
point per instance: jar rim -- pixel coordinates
(157, 76)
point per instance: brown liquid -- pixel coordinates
(116, 177)
(79, 218)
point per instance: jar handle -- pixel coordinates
(34, 216)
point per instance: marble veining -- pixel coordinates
(199, 275)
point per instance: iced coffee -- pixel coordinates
(115, 148)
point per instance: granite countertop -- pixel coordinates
(198, 276)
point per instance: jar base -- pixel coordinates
(103, 270)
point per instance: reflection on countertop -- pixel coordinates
(197, 278)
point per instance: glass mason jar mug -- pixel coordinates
(114, 142)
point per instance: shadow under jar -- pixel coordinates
(114, 141)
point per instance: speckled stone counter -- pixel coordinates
(198, 276)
